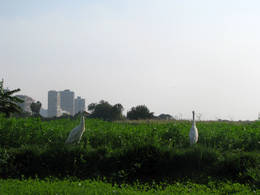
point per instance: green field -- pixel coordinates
(43, 187)
(125, 153)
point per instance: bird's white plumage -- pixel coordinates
(76, 133)
(193, 131)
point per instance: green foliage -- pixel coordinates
(139, 112)
(126, 152)
(36, 107)
(105, 111)
(53, 187)
(165, 117)
(8, 103)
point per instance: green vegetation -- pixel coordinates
(104, 110)
(36, 107)
(8, 103)
(54, 187)
(139, 112)
(126, 152)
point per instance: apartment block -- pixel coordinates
(79, 105)
(63, 102)
(67, 101)
(54, 103)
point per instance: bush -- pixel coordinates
(144, 163)
(139, 112)
(105, 111)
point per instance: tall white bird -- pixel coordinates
(76, 133)
(193, 131)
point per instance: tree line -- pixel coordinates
(102, 110)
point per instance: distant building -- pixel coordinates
(79, 105)
(54, 103)
(44, 112)
(67, 101)
(63, 102)
(26, 105)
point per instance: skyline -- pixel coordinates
(60, 102)
(177, 116)
(172, 56)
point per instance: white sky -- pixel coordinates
(171, 55)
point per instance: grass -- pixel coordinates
(127, 152)
(221, 135)
(55, 187)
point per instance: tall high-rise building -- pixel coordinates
(79, 105)
(54, 103)
(67, 101)
(63, 102)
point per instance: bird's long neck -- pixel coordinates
(82, 122)
(193, 118)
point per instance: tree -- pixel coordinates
(106, 111)
(139, 112)
(165, 116)
(8, 103)
(36, 107)
(198, 116)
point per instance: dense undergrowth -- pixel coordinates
(126, 152)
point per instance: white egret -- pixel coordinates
(76, 133)
(193, 131)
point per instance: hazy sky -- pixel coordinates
(171, 55)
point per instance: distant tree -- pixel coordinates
(198, 116)
(36, 107)
(116, 112)
(104, 110)
(139, 112)
(92, 106)
(8, 103)
(178, 116)
(165, 116)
